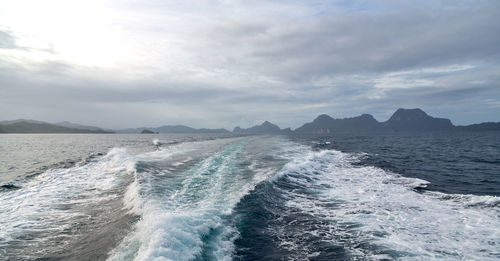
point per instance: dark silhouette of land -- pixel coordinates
(485, 126)
(173, 129)
(265, 128)
(30, 126)
(147, 132)
(403, 120)
(80, 126)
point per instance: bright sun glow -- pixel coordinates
(80, 32)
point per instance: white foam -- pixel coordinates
(131, 200)
(52, 202)
(190, 207)
(173, 225)
(390, 214)
(46, 202)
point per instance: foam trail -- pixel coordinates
(59, 213)
(178, 213)
(379, 215)
(50, 203)
(185, 216)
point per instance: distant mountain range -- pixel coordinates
(485, 126)
(173, 129)
(31, 126)
(79, 126)
(403, 120)
(264, 128)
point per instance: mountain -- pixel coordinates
(416, 120)
(265, 128)
(20, 120)
(485, 126)
(322, 124)
(326, 124)
(205, 130)
(30, 126)
(72, 125)
(173, 129)
(403, 120)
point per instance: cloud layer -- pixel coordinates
(124, 64)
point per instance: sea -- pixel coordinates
(399, 196)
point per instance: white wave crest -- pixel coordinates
(46, 203)
(184, 214)
(383, 209)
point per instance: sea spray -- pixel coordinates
(190, 215)
(377, 214)
(49, 206)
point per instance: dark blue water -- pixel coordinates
(208, 197)
(292, 217)
(453, 162)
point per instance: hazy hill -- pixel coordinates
(80, 126)
(29, 126)
(20, 120)
(264, 128)
(147, 132)
(173, 129)
(326, 124)
(485, 126)
(402, 120)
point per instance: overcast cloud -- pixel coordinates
(133, 63)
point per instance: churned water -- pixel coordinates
(224, 197)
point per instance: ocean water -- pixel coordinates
(225, 197)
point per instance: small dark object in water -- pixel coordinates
(9, 187)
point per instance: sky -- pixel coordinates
(226, 63)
